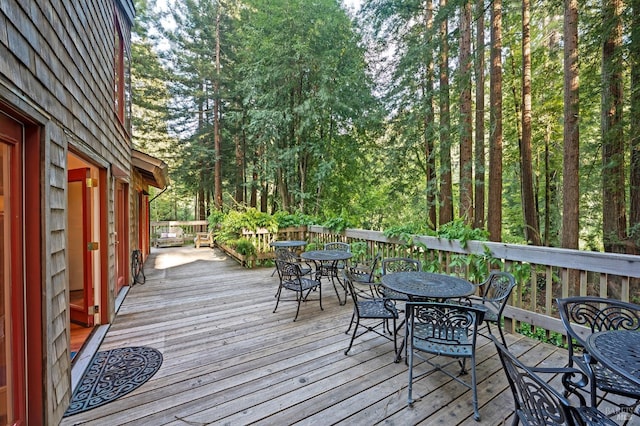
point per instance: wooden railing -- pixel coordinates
(189, 227)
(543, 273)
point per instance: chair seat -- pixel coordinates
(306, 283)
(393, 295)
(361, 276)
(304, 270)
(489, 315)
(592, 416)
(425, 341)
(610, 381)
(376, 309)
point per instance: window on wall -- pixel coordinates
(122, 87)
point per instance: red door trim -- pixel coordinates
(33, 278)
(81, 175)
(28, 392)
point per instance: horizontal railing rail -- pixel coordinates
(189, 227)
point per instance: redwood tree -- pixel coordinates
(571, 161)
(494, 216)
(531, 230)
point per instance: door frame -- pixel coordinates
(29, 400)
(85, 315)
(122, 239)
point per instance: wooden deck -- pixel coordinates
(228, 359)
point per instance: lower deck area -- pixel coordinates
(228, 359)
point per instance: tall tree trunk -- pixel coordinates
(494, 216)
(614, 220)
(446, 190)
(634, 118)
(531, 230)
(201, 215)
(216, 121)
(239, 171)
(479, 178)
(466, 138)
(429, 124)
(547, 187)
(571, 160)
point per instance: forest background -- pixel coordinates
(521, 119)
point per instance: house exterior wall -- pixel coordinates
(57, 68)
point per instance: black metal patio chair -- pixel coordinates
(287, 255)
(292, 279)
(367, 308)
(582, 315)
(444, 330)
(537, 403)
(363, 276)
(493, 295)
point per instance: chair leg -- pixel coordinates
(504, 342)
(409, 359)
(278, 298)
(474, 390)
(353, 337)
(351, 323)
(299, 297)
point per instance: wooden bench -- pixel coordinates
(203, 238)
(172, 238)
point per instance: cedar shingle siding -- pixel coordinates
(57, 69)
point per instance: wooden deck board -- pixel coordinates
(228, 359)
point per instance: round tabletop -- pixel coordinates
(619, 350)
(427, 285)
(326, 255)
(288, 243)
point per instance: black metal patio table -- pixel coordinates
(290, 244)
(326, 262)
(427, 285)
(618, 350)
(418, 285)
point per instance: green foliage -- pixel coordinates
(286, 220)
(337, 224)
(521, 272)
(234, 222)
(318, 134)
(359, 251)
(458, 230)
(244, 247)
(406, 232)
(540, 334)
(215, 219)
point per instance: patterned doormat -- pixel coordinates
(113, 374)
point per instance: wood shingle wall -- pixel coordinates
(57, 68)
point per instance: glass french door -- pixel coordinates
(81, 294)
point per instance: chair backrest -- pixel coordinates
(536, 402)
(495, 290)
(349, 279)
(400, 264)
(596, 314)
(286, 255)
(337, 246)
(443, 325)
(288, 271)
(371, 267)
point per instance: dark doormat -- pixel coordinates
(113, 374)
